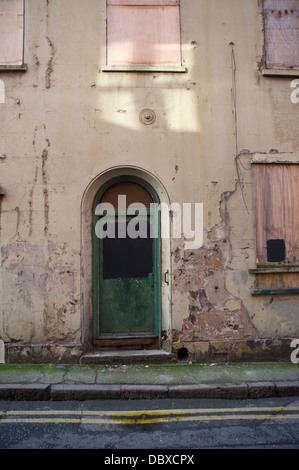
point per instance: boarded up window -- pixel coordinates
(277, 213)
(282, 33)
(143, 32)
(11, 32)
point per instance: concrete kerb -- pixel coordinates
(61, 392)
(25, 392)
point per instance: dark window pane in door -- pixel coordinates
(127, 257)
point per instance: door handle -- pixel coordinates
(166, 277)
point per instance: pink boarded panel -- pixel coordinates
(282, 33)
(143, 2)
(11, 32)
(277, 208)
(143, 35)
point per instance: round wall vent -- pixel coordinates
(147, 116)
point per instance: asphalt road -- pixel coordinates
(174, 425)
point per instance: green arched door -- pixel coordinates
(126, 265)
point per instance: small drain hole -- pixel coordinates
(183, 354)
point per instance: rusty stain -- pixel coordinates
(45, 191)
(2, 194)
(17, 234)
(30, 202)
(50, 64)
(39, 135)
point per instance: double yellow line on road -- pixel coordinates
(146, 416)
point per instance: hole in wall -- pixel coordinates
(183, 354)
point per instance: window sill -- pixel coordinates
(274, 162)
(274, 291)
(269, 273)
(13, 68)
(144, 68)
(274, 269)
(280, 72)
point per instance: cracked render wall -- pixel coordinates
(64, 122)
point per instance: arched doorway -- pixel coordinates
(126, 265)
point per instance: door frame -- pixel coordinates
(92, 186)
(96, 262)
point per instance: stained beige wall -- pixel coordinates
(64, 122)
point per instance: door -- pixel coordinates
(127, 280)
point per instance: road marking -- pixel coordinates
(168, 419)
(42, 412)
(191, 411)
(144, 421)
(41, 420)
(148, 412)
(146, 416)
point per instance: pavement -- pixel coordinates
(60, 382)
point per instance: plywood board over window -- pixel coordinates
(282, 34)
(11, 32)
(277, 225)
(277, 210)
(143, 32)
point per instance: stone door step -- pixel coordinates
(121, 357)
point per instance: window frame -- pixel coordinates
(272, 277)
(272, 69)
(143, 67)
(18, 67)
